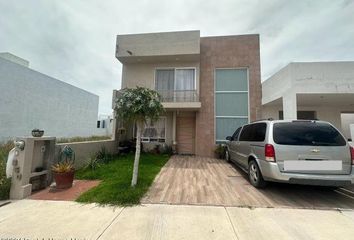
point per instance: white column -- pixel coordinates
(174, 128)
(290, 106)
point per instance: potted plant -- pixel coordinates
(64, 170)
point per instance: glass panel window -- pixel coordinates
(165, 79)
(175, 79)
(231, 104)
(185, 79)
(231, 101)
(226, 127)
(231, 80)
(154, 131)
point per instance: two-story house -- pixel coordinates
(209, 85)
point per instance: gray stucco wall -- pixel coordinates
(158, 44)
(84, 150)
(29, 99)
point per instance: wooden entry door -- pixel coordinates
(185, 134)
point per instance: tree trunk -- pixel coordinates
(137, 155)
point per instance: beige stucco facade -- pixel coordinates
(191, 122)
(143, 74)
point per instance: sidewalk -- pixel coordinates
(64, 220)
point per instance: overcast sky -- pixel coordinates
(74, 41)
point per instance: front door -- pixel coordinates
(185, 133)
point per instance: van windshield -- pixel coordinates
(307, 133)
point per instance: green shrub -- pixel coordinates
(220, 151)
(83, 139)
(5, 183)
(166, 149)
(99, 158)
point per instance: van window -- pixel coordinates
(307, 134)
(254, 132)
(235, 135)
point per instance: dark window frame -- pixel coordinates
(236, 134)
(252, 128)
(284, 135)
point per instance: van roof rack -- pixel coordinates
(264, 119)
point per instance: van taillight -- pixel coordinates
(269, 153)
(352, 154)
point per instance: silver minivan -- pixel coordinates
(294, 151)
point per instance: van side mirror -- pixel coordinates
(229, 138)
(349, 140)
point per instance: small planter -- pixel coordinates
(64, 180)
(37, 133)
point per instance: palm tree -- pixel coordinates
(138, 105)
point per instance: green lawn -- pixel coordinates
(116, 176)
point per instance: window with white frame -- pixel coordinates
(175, 84)
(175, 79)
(231, 101)
(154, 131)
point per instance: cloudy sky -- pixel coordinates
(74, 41)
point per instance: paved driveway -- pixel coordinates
(208, 181)
(37, 219)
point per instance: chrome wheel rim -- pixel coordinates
(253, 173)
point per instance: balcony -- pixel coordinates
(180, 99)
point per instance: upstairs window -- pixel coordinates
(175, 79)
(231, 101)
(176, 84)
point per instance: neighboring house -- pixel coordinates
(209, 85)
(30, 99)
(312, 90)
(105, 125)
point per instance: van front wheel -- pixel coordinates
(255, 175)
(227, 156)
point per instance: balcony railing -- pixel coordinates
(179, 95)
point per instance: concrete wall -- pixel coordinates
(157, 45)
(351, 127)
(324, 87)
(30, 99)
(325, 113)
(311, 77)
(274, 87)
(347, 120)
(323, 77)
(15, 59)
(84, 150)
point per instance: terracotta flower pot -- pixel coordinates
(64, 180)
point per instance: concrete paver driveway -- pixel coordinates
(208, 181)
(38, 219)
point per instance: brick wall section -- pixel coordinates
(225, 52)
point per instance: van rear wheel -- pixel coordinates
(255, 175)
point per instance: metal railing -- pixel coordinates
(178, 95)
